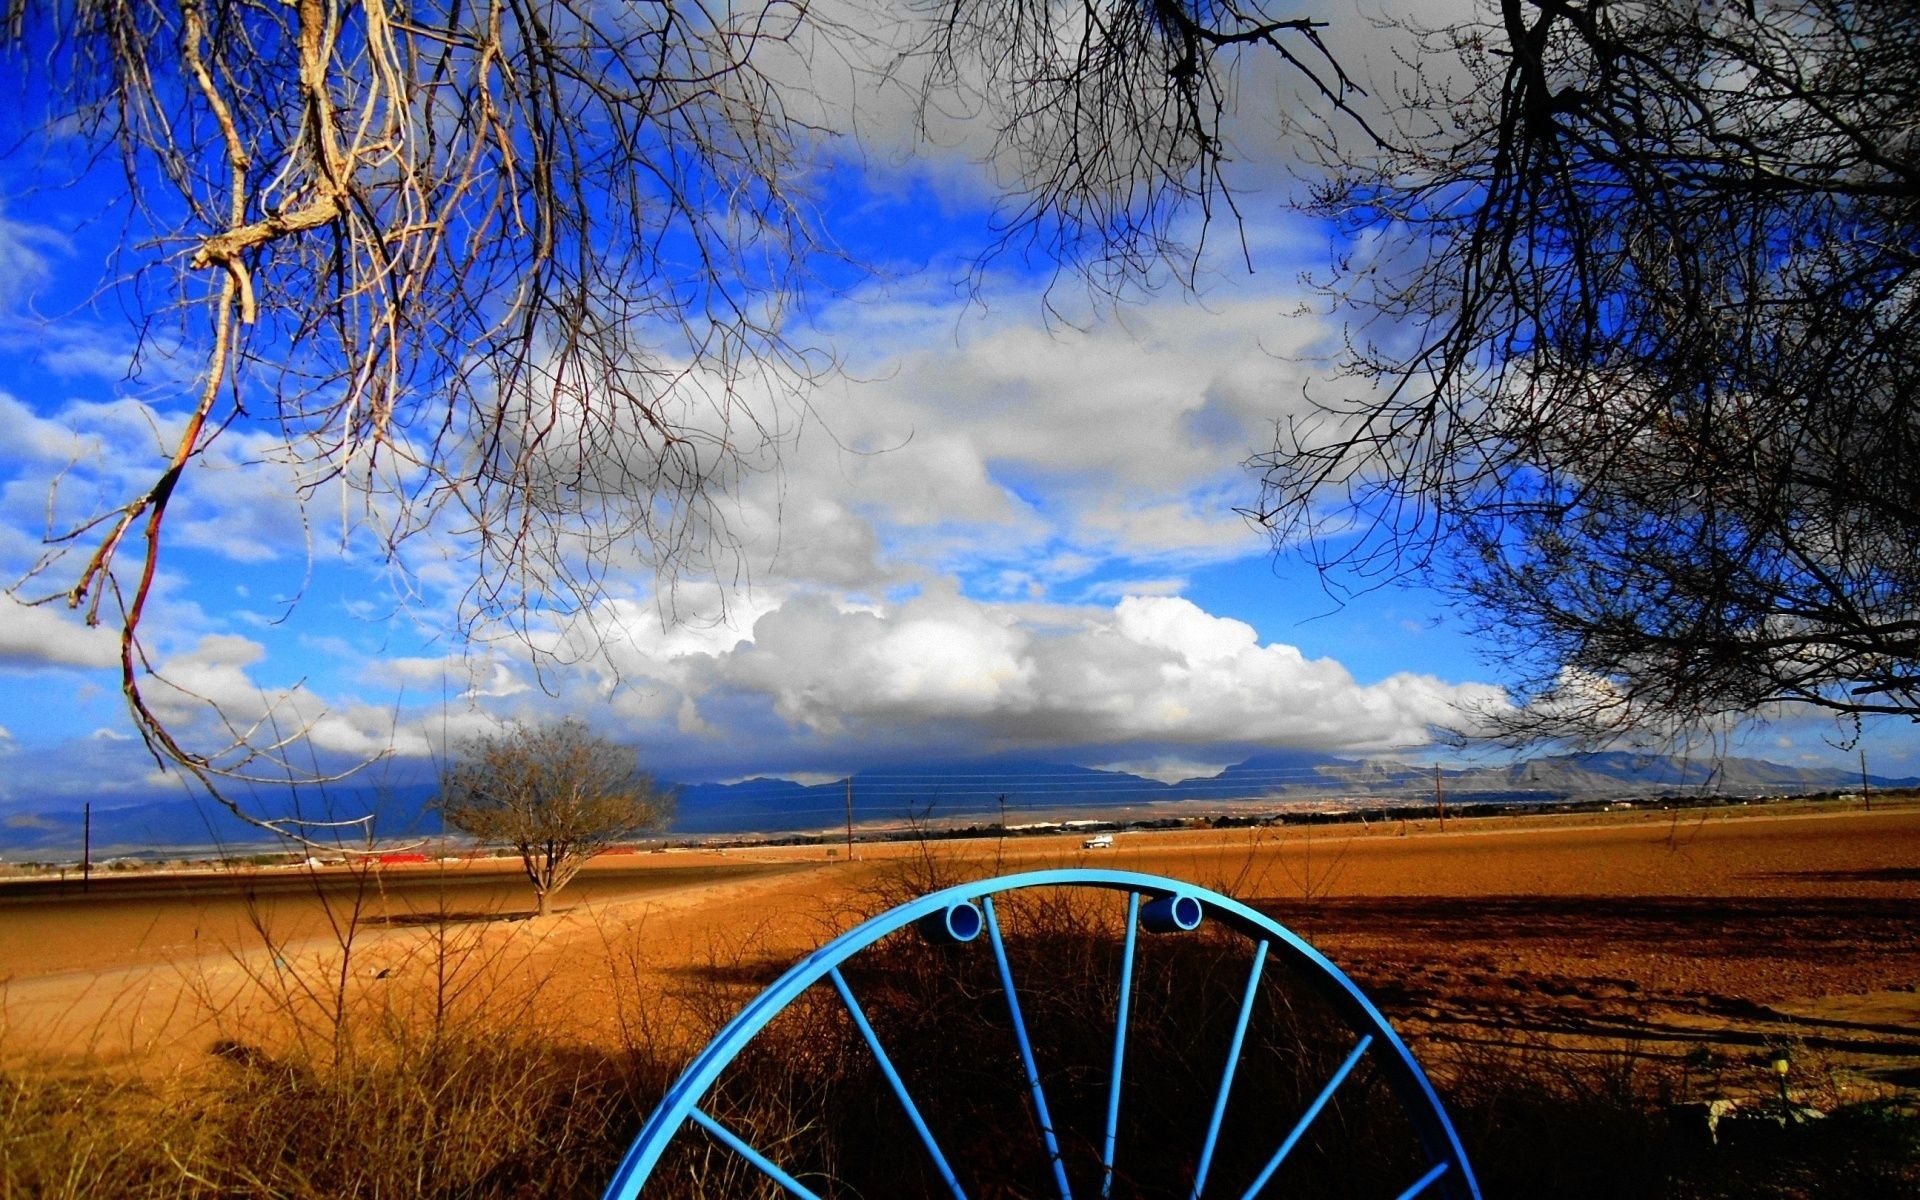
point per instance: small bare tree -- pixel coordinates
(558, 794)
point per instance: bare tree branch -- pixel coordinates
(1636, 360)
(517, 275)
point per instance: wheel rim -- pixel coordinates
(967, 913)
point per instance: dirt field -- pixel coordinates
(1702, 936)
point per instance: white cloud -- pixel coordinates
(31, 439)
(1117, 589)
(1178, 626)
(42, 636)
(1164, 768)
(243, 502)
(240, 501)
(935, 657)
(1161, 670)
(72, 350)
(953, 673)
(362, 733)
(212, 676)
(1025, 459)
(970, 453)
(24, 259)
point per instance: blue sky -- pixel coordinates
(995, 531)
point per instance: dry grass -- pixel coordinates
(470, 1081)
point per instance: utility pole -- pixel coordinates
(86, 849)
(1439, 798)
(1866, 792)
(849, 818)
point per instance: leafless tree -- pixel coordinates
(558, 794)
(507, 269)
(1636, 317)
(1111, 119)
(520, 272)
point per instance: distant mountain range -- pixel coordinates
(185, 825)
(1026, 790)
(1015, 791)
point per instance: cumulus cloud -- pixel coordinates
(944, 672)
(25, 251)
(220, 696)
(362, 733)
(811, 681)
(1161, 670)
(938, 657)
(979, 543)
(33, 440)
(241, 501)
(1022, 459)
(41, 636)
(978, 539)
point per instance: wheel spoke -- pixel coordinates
(734, 1143)
(1119, 1045)
(1155, 904)
(1420, 1185)
(1026, 1052)
(893, 1077)
(1233, 1064)
(1306, 1118)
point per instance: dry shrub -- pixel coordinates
(422, 1111)
(455, 1086)
(452, 1118)
(808, 1091)
(434, 1062)
(1541, 1121)
(67, 1136)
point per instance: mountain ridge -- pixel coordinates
(1011, 789)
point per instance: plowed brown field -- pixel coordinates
(1704, 936)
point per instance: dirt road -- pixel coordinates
(1705, 934)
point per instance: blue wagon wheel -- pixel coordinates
(1232, 1060)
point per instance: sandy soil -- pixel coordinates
(1700, 935)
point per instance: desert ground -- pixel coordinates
(1700, 936)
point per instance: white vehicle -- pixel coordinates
(1099, 841)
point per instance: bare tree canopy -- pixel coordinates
(557, 794)
(522, 273)
(505, 270)
(1637, 309)
(1111, 116)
